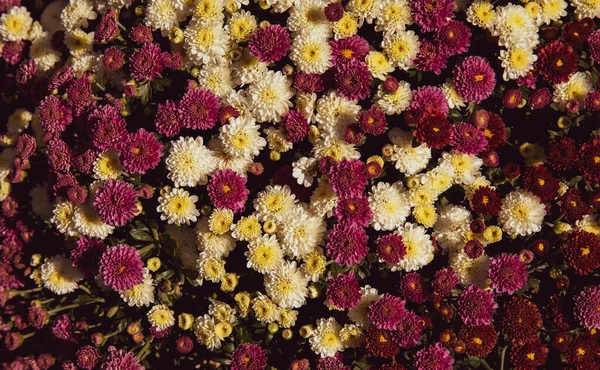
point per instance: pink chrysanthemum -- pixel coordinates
(113, 58)
(248, 357)
(434, 357)
(540, 98)
(26, 72)
(227, 189)
(295, 126)
(121, 267)
(121, 360)
(199, 109)
(140, 152)
(588, 160)
(429, 100)
(512, 98)
(349, 48)
(468, 139)
(60, 77)
(586, 307)
(430, 58)
(476, 306)
(116, 202)
(79, 95)
(141, 34)
(408, 330)
(430, 15)
(347, 178)
(474, 79)
(413, 287)
(329, 363)
(12, 52)
(334, 12)
(55, 115)
(353, 79)
(343, 291)
(372, 121)
(387, 312)
(390, 248)
(444, 281)
(347, 244)
(168, 118)
(107, 127)
(146, 63)
(454, 38)
(352, 134)
(108, 28)
(508, 273)
(59, 155)
(269, 44)
(87, 357)
(354, 209)
(594, 43)
(86, 255)
(308, 83)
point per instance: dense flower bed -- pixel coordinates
(280, 184)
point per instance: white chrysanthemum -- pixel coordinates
(522, 213)
(209, 268)
(226, 161)
(275, 202)
(270, 96)
(453, 221)
(323, 199)
(287, 286)
(366, 10)
(401, 48)
(77, 13)
(394, 16)
(19, 121)
(454, 100)
(466, 166)
(325, 339)
(309, 16)
(359, 313)
(15, 24)
(378, 64)
(248, 69)
(264, 254)
(470, 271)
(59, 275)
(515, 27)
(107, 165)
(88, 222)
(247, 228)
(82, 63)
(586, 8)
(79, 42)
(517, 61)
(43, 54)
(241, 137)
(439, 179)
(222, 312)
(161, 317)
(396, 102)
(211, 244)
(301, 232)
(264, 309)
(346, 27)
(311, 53)
(216, 78)
(390, 205)
(481, 13)
(577, 88)
(277, 140)
(552, 10)
(409, 160)
(185, 241)
(206, 43)
(62, 217)
(162, 15)
(140, 295)
(419, 249)
(189, 162)
(304, 171)
(241, 25)
(334, 112)
(178, 207)
(335, 147)
(118, 4)
(204, 328)
(50, 18)
(208, 11)
(40, 201)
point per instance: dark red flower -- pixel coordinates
(295, 126)
(372, 121)
(434, 130)
(556, 62)
(485, 201)
(520, 320)
(108, 28)
(478, 340)
(573, 206)
(540, 181)
(582, 252)
(589, 160)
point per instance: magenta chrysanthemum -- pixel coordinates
(121, 360)
(586, 307)
(343, 291)
(409, 330)
(431, 14)
(444, 281)
(387, 312)
(453, 38)
(430, 58)
(146, 63)
(474, 79)
(372, 121)
(390, 248)
(295, 126)
(248, 357)
(467, 138)
(107, 127)
(348, 178)
(476, 306)
(168, 118)
(55, 115)
(353, 79)
(227, 189)
(79, 95)
(434, 357)
(140, 152)
(354, 210)
(347, 244)
(269, 44)
(508, 273)
(413, 288)
(121, 267)
(116, 202)
(199, 109)
(86, 255)
(429, 99)
(349, 48)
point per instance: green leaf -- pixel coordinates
(140, 235)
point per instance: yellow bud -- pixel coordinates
(564, 122)
(275, 155)
(270, 227)
(232, 6)
(139, 10)
(273, 328)
(562, 228)
(153, 264)
(139, 208)
(36, 259)
(305, 331)
(195, 72)
(176, 35)
(313, 292)
(223, 329)
(313, 134)
(229, 282)
(235, 55)
(287, 334)
(412, 182)
(492, 234)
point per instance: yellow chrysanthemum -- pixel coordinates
(220, 220)
(425, 215)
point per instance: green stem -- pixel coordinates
(28, 335)
(47, 300)
(485, 364)
(144, 351)
(502, 357)
(74, 305)
(14, 293)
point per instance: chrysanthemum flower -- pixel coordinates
(379, 343)
(572, 205)
(474, 79)
(270, 43)
(556, 62)
(140, 152)
(467, 138)
(453, 38)
(520, 320)
(387, 312)
(589, 160)
(227, 189)
(55, 115)
(434, 357)
(59, 275)
(116, 202)
(522, 213)
(354, 210)
(121, 267)
(582, 252)
(343, 291)
(476, 306)
(431, 15)
(248, 357)
(353, 79)
(434, 130)
(586, 307)
(146, 63)
(199, 109)
(508, 273)
(177, 206)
